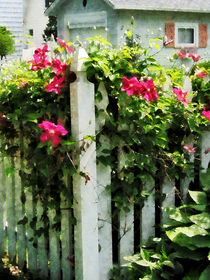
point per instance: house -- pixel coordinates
(24, 17)
(180, 23)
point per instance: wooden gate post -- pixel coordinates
(84, 187)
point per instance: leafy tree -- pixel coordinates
(51, 29)
(6, 42)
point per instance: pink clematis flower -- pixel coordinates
(40, 59)
(64, 45)
(59, 67)
(202, 75)
(23, 84)
(195, 57)
(56, 85)
(181, 95)
(131, 86)
(206, 114)
(148, 91)
(52, 132)
(182, 55)
(189, 148)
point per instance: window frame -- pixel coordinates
(186, 26)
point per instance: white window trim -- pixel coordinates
(186, 25)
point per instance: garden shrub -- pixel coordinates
(6, 42)
(184, 250)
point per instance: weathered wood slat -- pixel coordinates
(66, 236)
(11, 215)
(126, 234)
(148, 213)
(20, 213)
(104, 196)
(42, 244)
(54, 242)
(84, 189)
(168, 190)
(31, 237)
(2, 207)
(205, 154)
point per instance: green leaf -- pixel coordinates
(198, 197)
(176, 214)
(205, 179)
(205, 275)
(90, 138)
(202, 220)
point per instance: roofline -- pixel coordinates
(51, 10)
(127, 7)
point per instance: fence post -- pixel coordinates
(84, 187)
(104, 195)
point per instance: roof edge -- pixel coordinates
(50, 11)
(119, 7)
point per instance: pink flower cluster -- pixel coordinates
(181, 95)
(40, 59)
(184, 55)
(64, 45)
(189, 148)
(52, 132)
(201, 75)
(206, 114)
(145, 88)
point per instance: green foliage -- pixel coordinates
(148, 136)
(25, 103)
(51, 29)
(183, 252)
(6, 42)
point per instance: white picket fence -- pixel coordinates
(92, 204)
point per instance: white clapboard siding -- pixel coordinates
(66, 236)
(31, 237)
(84, 189)
(54, 242)
(148, 212)
(168, 190)
(2, 207)
(42, 244)
(20, 213)
(11, 215)
(104, 196)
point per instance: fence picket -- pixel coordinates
(148, 213)
(54, 239)
(2, 207)
(205, 154)
(126, 234)
(66, 237)
(84, 188)
(168, 190)
(42, 244)
(31, 237)
(20, 213)
(11, 219)
(104, 196)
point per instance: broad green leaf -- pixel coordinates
(205, 275)
(168, 263)
(202, 220)
(176, 214)
(198, 197)
(205, 179)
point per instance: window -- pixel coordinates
(186, 35)
(31, 32)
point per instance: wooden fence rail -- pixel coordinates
(84, 251)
